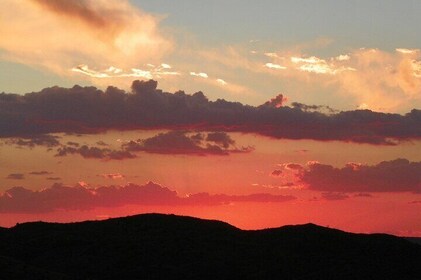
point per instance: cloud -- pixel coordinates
(94, 153)
(112, 72)
(293, 166)
(103, 33)
(61, 197)
(343, 57)
(16, 176)
(276, 173)
(32, 141)
(383, 79)
(208, 199)
(113, 176)
(415, 202)
(317, 65)
(74, 144)
(398, 175)
(407, 51)
(180, 142)
(90, 110)
(268, 54)
(276, 102)
(101, 143)
(313, 108)
(201, 75)
(275, 66)
(43, 172)
(221, 139)
(221, 81)
(334, 196)
(363, 195)
(53, 178)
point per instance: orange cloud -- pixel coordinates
(383, 80)
(378, 80)
(59, 35)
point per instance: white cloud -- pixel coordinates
(113, 72)
(407, 51)
(222, 82)
(273, 55)
(343, 57)
(201, 75)
(311, 60)
(165, 66)
(275, 66)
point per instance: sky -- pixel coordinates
(260, 114)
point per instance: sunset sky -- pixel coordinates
(257, 113)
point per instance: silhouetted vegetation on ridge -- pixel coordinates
(156, 246)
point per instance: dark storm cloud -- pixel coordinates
(90, 110)
(22, 200)
(398, 175)
(179, 142)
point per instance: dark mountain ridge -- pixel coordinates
(157, 246)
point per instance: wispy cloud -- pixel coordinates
(199, 74)
(113, 72)
(275, 66)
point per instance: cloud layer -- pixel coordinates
(22, 200)
(90, 110)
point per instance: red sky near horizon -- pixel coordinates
(240, 151)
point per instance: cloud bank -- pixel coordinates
(90, 110)
(399, 175)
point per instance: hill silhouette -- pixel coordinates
(157, 246)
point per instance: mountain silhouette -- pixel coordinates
(157, 246)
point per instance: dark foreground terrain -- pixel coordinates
(155, 246)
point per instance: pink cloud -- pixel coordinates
(82, 197)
